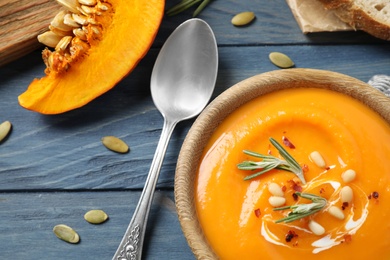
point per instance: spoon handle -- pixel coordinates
(130, 247)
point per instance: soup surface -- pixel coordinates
(236, 215)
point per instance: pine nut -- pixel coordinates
(346, 194)
(316, 228)
(276, 201)
(275, 189)
(336, 212)
(316, 157)
(348, 175)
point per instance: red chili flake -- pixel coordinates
(375, 195)
(345, 205)
(284, 188)
(287, 143)
(257, 212)
(305, 168)
(322, 190)
(369, 196)
(295, 196)
(290, 235)
(297, 187)
(348, 238)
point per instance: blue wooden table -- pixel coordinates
(53, 169)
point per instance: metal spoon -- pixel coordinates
(182, 83)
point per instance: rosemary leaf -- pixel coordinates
(201, 7)
(270, 162)
(296, 168)
(303, 210)
(186, 4)
(265, 169)
(254, 154)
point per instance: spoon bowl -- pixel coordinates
(182, 83)
(184, 70)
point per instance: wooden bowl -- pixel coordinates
(225, 104)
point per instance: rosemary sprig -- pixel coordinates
(270, 162)
(186, 4)
(303, 210)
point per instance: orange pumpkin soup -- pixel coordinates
(236, 215)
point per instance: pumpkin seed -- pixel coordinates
(115, 144)
(88, 2)
(96, 216)
(5, 128)
(281, 60)
(66, 233)
(243, 18)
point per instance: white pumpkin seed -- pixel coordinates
(66, 233)
(115, 144)
(49, 38)
(88, 2)
(243, 18)
(5, 129)
(281, 60)
(70, 5)
(96, 216)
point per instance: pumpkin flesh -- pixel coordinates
(127, 36)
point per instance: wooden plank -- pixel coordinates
(27, 220)
(20, 23)
(65, 152)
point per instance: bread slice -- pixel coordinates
(371, 16)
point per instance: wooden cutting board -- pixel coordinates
(20, 23)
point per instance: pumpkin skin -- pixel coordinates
(128, 37)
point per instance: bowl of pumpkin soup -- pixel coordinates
(288, 164)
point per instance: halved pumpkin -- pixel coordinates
(126, 35)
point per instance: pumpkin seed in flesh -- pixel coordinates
(5, 128)
(281, 60)
(66, 233)
(115, 144)
(243, 18)
(96, 216)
